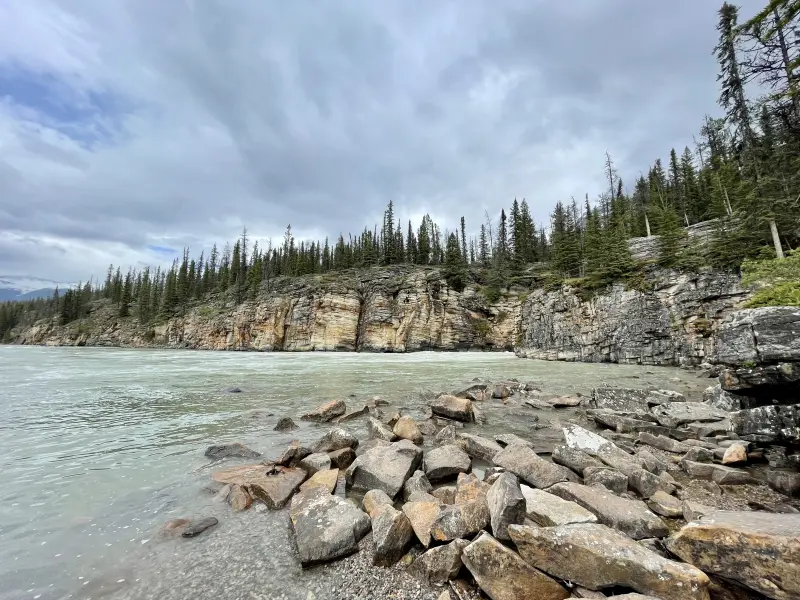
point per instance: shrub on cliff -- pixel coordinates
(778, 280)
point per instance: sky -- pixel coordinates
(130, 129)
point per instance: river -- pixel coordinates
(99, 447)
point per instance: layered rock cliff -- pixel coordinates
(669, 321)
(398, 309)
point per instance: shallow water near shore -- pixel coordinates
(99, 447)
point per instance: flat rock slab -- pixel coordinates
(326, 527)
(407, 429)
(374, 501)
(469, 487)
(503, 575)
(530, 467)
(234, 450)
(446, 461)
(620, 399)
(632, 517)
(439, 565)
(717, 473)
(548, 510)
(596, 557)
(272, 485)
(665, 505)
(326, 412)
(197, 526)
(384, 467)
(759, 550)
(675, 414)
(451, 407)
(512, 439)
(663, 443)
(478, 447)
(322, 479)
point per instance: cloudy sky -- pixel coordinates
(132, 128)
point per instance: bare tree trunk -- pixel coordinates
(787, 62)
(776, 239)
(647, 224)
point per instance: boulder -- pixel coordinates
(445, 461)
(548, 510)
(285, 424)
(385, 467)
(716, 397)
(322, 479)
(234, 450)
(573, 459)
(293, 454)
(675, 414)
(407, 429)
(597, 557)
(421, 515)
(478, 447)
(391, 536)
(656, 397)
(503, 575)
(785, 482)
(735, 455)
(364, 410)
(460, 520)
(374, 501)
(609, 478)
(646, 484)
(427, 427)
(343, 458)
(759, 550)
(197, 526)
(239, 498)
(326, 412)
(631, 517)
(335, 439)
(511, 439)
(528, 466)
(663, 443)
(620, 399)
(665, 505)
(364, 447)
(501, 391)
(451, 407)
(717, 473)
(316, 462)
(378, 430)
(439, 565)
(446, 494)
(418, 482)
(271, 484)
(469, 487)
(768, 423)
(506, 504)
(651, 462)
(477, 392)
(325, 527)
(447, 435)
(692, 510)
(418, 496)
(565, 401)
(698, 454)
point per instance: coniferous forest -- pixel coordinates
(741, 171)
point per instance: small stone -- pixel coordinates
(445, 461)
(234, 450)
(611, 479)
(439, 565)
(326, 412)
(315, 462)
(335, 439)
(418, 482)
(239, 498)
(735, 455)
(374, 501)
(198, 526)
(407, 429)
(665, 505)
(421, 515)
(322, 479)
(378, 430)
(506, 505)
(285, 424)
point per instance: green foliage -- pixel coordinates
(491, 293)
(779, 280)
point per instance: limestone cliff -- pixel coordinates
(399, 309)
(671, 322)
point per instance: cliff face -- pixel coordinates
(392, 310)
(672, 324)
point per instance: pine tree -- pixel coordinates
(454, 269)
(464, 255)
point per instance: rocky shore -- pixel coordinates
(648, 495)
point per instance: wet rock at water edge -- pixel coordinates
(445, 462)
(341, 459)
(609, 478)
(451, 407)
(501, 391)
(760, 551)
(785, 482)
(325, 527)
(391, 535)
(326, 412)
(407, 429)
(234, 450)
(478, 447)
(335, 439)
(312, 463)
(385, 467)
(597, 557)
(548, 510)
(272, 485)
(378, 430)
(364, 410)
(698, 454)
(285, 424)
(503, 575)
(530, 467)
(692, 510)
(239, 498)
(506, 505)
(197, 526)
(293, 454)
(422, 515)
(439, 565)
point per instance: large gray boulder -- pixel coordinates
(573, 459)
(597, 557)
(234, 450)
(675, 414)
(530, 467)
(626, 400)
(768, 423)
(478, 447)
(391, 535)
(384, 467)
(325, 527)
(506, 504)
(460, 520)
(446, 461)
(335, 439)
(451, 407)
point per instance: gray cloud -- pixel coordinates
(186, 120)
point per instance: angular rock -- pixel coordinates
(665, 505)
(656, 397)
(322, 479)
(785, 482)
(378, 430)
(285, 424)
(530, 467)
(343, 458)
(460, 520)
(620, 399)
(698, 454)
(735, 455)
(675, 414)
(239, 498)
(469, 487)
(335, 439)
(316, 462)
(272, 485)
(646, 484)
(427, 427)
(500, 391)
(446, 435)
(234, 450)
(716, 397)
(439, 565)
(326, 412)
(595, 556)
(651, 462)
(418, 482)
(611, 479)
(293, 454)
(421, 515)
(548, 510)
(692, 511)
(475, 392)
(478, 447)
(774, 423)
(374, 501)
(595, 445)
(511, 439)
(446, 494)
(418, 496)
(631, 517)
(663, 443)
(385, 467)
(565, 401)
(717, 473)
(574, 459)
(391, 536)
(364, 447)
(325, 527)
(506, 505)
(445, 461)
(503, 575)
(354, 414)
(451, 407)
(407, 429)
(197, 526)
(759, 550)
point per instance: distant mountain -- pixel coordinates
(13, 287)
